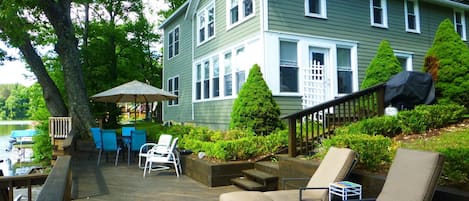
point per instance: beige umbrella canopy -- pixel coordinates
(133, 91)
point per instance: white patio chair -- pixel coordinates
(164, 142)
(162, 158)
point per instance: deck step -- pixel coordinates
(259, 176)
(248, 184)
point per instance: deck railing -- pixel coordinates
(58, 185)
(9, 183)
(307, 127)
(60, 127)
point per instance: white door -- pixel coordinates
(315, 78)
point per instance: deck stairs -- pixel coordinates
(264, 177)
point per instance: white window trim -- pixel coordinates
(241, 17)
(179, 40)
(385, 14)
(417, 16)
(463, 23)
(322, 14)
(205, 11)
(409, 58)
(179, 84)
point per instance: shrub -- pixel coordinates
(42, 148)
(425, 117)
(383, 125)
(374, 151)
(235, 144)
(382, 67)
(448, 62)
(255, 107)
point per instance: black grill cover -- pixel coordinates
(407, 89)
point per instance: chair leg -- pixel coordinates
(128, 156)
(99, 157)
(145, 168)
(117, 157)
(139, 161)
(176, 168)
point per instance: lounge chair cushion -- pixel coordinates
(419, 169)
(334, 167)
(245, 196)
(283, 195)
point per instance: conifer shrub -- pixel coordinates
(448, 62)
(383, 66)
(255, 107)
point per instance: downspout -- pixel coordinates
(192, 67)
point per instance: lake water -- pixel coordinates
(18, 155)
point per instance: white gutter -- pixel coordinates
(449, 3)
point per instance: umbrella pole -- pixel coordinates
(135, 111)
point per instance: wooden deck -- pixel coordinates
(108, 182)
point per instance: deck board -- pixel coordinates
(108, 182)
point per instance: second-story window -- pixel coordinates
(206, 23)
(460, 23)
(238, 11)
(315, 8)
(173, 43)
(412, 19)
(378, 13)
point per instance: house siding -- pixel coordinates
(225, 38)
(179, 65)
(343, 23)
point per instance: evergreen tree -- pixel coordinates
(383, 66)
(255, 107)
(448, 62)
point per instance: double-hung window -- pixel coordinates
(198, 82)
(315, 8)
(216, 77)
(378, 13)
(228, 80)
(206, 23)
(173, 43)
(206, 79)
(412, 18)
(173, 87)
(288, 66)
(460, 23)
(344, 71)
(238, 11)
(240, 72)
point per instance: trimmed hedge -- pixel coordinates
(374, 151)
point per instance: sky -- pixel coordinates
(12, 72)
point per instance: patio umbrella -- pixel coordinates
(133, 91)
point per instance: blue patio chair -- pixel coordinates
(126, 135)
(98, 141)
(138, 138)
(110, 143)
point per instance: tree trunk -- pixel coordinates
(53, 99)
(58, 14)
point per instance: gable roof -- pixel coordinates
(190, 6)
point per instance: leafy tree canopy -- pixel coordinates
(383, 66)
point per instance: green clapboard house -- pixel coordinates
(310, 51)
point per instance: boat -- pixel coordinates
(22, 136)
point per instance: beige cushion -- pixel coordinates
(334, 167)
(244, 196)
(412, 177)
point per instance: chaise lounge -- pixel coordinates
(334, 167)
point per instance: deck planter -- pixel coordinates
(213, 174)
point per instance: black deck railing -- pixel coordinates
(307, 127)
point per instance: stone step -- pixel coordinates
(248, 184)
(267, 166)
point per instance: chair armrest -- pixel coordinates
(310, 188)
(284, 180)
